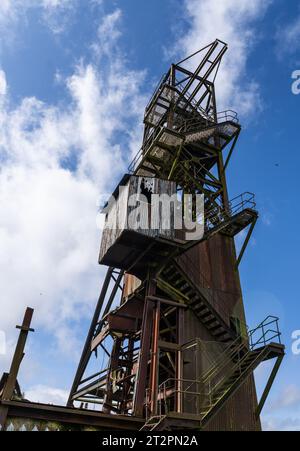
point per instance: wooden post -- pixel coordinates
(15, 364)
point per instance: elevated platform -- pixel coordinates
(215, 136)
(211, 391)
(136, 250)
(28, 416)
(158, 154)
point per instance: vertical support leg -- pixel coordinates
(142, 372)
(114, 363)
(154, 360)
(127, 384)
(268, 386)
(3, 417)
(179, 364)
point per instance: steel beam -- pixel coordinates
(86, 352)
(248, 236)
(141, 379)
(268, 386)
(11, 382)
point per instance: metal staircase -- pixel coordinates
(240, 214)
(225, 376)
(223, 383)
(176, 283)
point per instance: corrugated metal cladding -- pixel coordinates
(132, 212)
(215, 259)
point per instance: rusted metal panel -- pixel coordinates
(131, 283)
(215, 260)
(122, 323)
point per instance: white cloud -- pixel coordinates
(108, 32)
(56, 14)
(280, 424)
(46, 395)
(55, 161)
(288, 37)
(3, 84)
(267, 219)
(232, 21)
(57, 3)
(282, 412)
(2, 343)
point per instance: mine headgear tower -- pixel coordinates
(170, 321)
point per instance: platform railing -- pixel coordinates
(266, 335)
(173, 393)
(193, 124)
(186, 126)
(266, 332)
(199, 394)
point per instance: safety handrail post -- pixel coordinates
(278, 331)
(265, 337)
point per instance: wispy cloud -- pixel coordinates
(55, 161)
(47, 395)
(288, 38)
(280, 424)
(282, 411)
(289, 397)
(108, 33)
(55, 14)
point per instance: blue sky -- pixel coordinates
(74, 78)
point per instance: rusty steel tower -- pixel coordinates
(168, 341)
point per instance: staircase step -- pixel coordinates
(214, 330)
(171, 278)
(207, 318)
(196, 299)
(212, 323)
(222, 332)
(170, 269)
(198, 307)
(203, 311)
